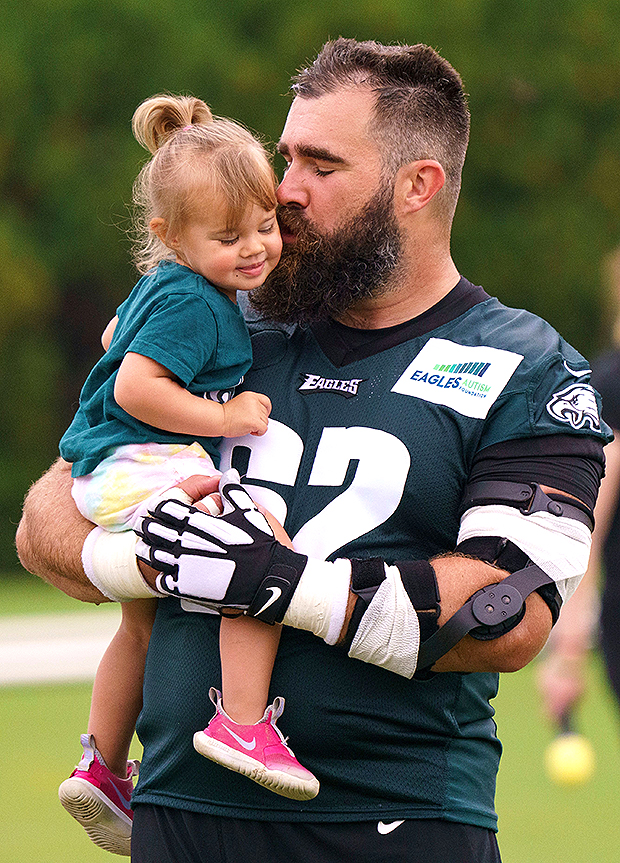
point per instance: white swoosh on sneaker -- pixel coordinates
(387, 828)
(276, 593)
(249, 745)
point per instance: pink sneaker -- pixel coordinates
(258, 751)
(99, 800)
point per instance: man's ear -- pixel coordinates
(416, 185)
(160, 227)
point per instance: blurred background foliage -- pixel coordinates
(539, 211)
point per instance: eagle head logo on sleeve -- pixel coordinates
(575, 405)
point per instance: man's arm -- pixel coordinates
(230, 561)
(51, 534)
(457, 579)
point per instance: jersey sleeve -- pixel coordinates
(553, 396)
(181, 334)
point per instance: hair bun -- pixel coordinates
(158, 118)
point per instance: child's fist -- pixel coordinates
(247, 413)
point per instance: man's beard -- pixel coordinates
(323, 276)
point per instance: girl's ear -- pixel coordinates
(159, 227)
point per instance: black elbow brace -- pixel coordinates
(488, 614)
(498, 608)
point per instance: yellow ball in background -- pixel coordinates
(570, 759)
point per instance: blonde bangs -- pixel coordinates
(238, 179)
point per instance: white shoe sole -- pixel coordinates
(277, 781)
(105, 824)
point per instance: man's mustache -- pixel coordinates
(292, 221)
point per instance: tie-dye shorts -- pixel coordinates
(120, 488)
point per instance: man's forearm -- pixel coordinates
(51, 534)
(457, 579)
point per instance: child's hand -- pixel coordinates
(247, 413)
(278, 531)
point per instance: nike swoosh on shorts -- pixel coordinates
(387, 828)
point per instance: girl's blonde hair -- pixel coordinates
(195, 156)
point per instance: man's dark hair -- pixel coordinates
(420, 110)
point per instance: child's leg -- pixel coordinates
(247, 645)
(243, 734)
(117, 691)
(98, 792)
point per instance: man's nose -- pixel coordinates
(292, 191)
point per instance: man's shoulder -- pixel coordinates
(549, 390)
(512, 327)
(517, 331)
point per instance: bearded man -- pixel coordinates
(414, 460)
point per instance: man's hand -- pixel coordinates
(228, 561)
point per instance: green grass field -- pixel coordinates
(539, 823)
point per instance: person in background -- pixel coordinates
(593, 613)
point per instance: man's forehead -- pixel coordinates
(330, 123)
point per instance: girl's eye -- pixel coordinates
(229, 241)
(268, 229)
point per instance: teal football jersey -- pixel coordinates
(367, 455)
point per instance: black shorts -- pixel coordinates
(164, 835)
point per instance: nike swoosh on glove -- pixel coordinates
(228, 561)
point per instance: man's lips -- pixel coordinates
(290, 225)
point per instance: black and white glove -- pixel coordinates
(228, 561)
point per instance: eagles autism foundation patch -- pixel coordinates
(467, 379)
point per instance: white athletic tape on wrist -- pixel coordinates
(319, 603)
(109, 561)
(389, 632)
(559, 546)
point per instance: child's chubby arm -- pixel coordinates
(107, 334)
(152, 394)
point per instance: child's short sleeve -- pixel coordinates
(181, 334)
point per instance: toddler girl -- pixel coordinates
(151, 414)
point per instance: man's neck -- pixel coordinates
(411, 291)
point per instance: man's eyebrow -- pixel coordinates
(310, 152)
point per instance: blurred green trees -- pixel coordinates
(540, 205)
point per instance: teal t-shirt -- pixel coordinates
(177, 318)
